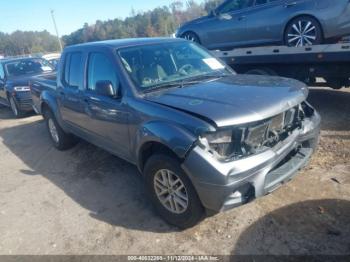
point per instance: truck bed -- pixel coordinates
(40, 83)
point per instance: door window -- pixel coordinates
(234, 5)
(100, 69)
(2, 73)
(263, 2)
(73, 70)
(260, 2)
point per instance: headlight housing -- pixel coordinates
(223, 144)
(21, 88)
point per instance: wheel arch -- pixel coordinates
(302, 15)
(162, 137)
(48, 102)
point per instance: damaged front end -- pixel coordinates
(242, 141)
(233, 165)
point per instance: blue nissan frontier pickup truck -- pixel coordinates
(204, 139)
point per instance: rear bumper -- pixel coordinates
(222, 186)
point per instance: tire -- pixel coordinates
(14, 107)
(60, 139)
(184, 217)
(303, 31)
(337, 83)
(191, 37)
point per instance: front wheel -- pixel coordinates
(172, 192)
(303, 31)
(60, 139)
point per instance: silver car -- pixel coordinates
(263, 22)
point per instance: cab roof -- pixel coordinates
(127, 42)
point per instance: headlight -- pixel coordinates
(220, 143)
(21, 88)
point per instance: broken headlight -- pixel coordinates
(223, 144)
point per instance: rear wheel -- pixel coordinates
(172, 192)
(337, 83)
(191, 37)
(303, 31)
(60, 139)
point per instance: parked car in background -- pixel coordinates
(14, 82)
(203, 137)
(238, 23)
(53, 59)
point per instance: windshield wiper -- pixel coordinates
(200, 78)
(185, 82)
(163, 86)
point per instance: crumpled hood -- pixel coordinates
(235, 100)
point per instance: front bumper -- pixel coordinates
(224, 185)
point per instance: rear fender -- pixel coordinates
(49, 100)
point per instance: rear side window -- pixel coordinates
(234, 5)
(100, 69)
(73, 69)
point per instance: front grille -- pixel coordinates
(270, 132)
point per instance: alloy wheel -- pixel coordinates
(190, 37)
(171, 191)
(302, 33)
(53, 130)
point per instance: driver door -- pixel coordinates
(228, 25)
(105, 118)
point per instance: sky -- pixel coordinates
(34, 15)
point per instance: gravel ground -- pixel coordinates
(86, 201)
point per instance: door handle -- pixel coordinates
(290, 4)
(242, 17)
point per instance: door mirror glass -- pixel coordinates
(105, 88)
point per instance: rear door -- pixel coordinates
(106, 118)
(70, 89)
(228, 27)
(266, 20)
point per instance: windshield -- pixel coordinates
(27, 66)
(160, 66)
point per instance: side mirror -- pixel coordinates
(105, 88)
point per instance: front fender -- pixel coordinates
(177, 139)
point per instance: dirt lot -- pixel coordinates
(86, 201)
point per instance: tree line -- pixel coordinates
(161, 21)
(23, 43)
